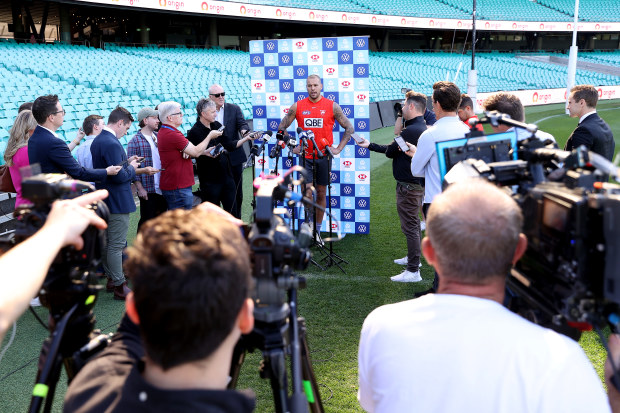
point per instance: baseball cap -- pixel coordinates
(145, 113)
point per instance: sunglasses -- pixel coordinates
(217, 95)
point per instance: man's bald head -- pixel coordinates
(474, 229)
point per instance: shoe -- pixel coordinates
(121, 291)
(109, 287)
(407, 277)
(35, 302)
(423, 226)
(318, 240)
(402, 261)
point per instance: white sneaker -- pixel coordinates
(35, 302)
(423, 226)
(407, 277)
(318, 240)
(402, 261)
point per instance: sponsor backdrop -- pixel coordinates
(278, 69)
(258, 11)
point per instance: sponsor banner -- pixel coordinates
(342, 63)
(241, 10)
(547, 96)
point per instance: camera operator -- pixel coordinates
(189, 306)
(20, 275)
(409, 189)
(488, 358)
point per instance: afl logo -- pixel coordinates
(314, 58)
(258, 85)
(346, 164)
(346, 83)
(299, 44)
(362, 177)
(330, 70)
(204, 6)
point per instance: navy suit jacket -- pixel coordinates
(595, 134)
(54, 156)
(234, 122)
(107, 150)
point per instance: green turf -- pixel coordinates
(334, 304)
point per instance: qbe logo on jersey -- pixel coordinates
(313, 123)
(342, 64)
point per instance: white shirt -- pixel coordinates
(456, 353)
(84, 157)
(109, 130)
(586, 115)
(51, 131)
(156, 160)
(220, 115)
(523, 134)
(424, 162)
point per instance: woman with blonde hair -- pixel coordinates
(16, 153)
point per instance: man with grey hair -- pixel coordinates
(231, 117)
(177, 175)
(460, 349)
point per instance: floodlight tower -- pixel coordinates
(472, 75)
(572, 58)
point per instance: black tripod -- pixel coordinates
(71, 342)
(254, 152)
(316, 240)
(271, 323)
(331, 258)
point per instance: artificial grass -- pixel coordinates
(334, 304)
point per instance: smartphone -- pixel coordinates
(401, 143)
(216, 150)
(221, 129)
(357, 138)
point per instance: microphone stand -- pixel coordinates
(331, 257)
(315, 232)
(292, 203)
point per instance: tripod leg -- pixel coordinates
(237, 361)
(311, 387)
(274, 367)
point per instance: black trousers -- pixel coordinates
(425, 208)
(150, 208)
(237, 172)
(219, 193)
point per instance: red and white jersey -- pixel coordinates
(319, 118)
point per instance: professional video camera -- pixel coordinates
(278, 331)
(569, 277)
(70, 287)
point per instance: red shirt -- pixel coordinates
(178, 172)
(319, 118)
(478, 125)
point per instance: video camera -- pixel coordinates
(569, 278)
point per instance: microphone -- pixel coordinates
(302, 134)
(257, 150)
(275, 151)
(328, 149)
(319, 154)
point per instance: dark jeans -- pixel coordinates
(408, 200)
(179, 198)
(150, 208)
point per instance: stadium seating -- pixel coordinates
(90, 80)
(521, 10)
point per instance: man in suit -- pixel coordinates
(592, 131)
(231, 117)
(51, 152)
(106, 150)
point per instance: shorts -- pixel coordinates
(322, 171)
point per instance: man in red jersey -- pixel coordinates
(317, 114)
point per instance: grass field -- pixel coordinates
(334, 304)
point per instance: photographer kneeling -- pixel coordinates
(460, 350)
(191, 276)
(21, 276)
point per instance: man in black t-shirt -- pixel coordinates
(189, 306)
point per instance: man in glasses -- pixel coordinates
(50, 152)
(231, 117)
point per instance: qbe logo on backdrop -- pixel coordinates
(342, 63)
